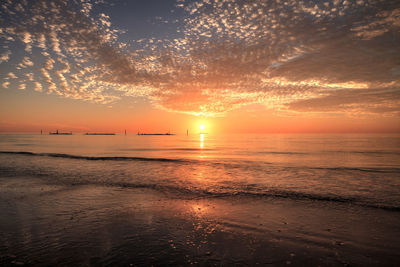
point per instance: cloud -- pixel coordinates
(303, 56)
(30, 77)
(5, 56)
(26, 62)
(26, 37)
(5, 84)
(372, 100)
(38, 87)
(383, 23)
(78, 50)
(22, 86)
(12, 75)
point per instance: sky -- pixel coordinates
(277, 66)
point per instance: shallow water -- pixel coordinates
(305, 200)
(116, 226)
(357, 169)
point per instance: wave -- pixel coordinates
(184, 189)
(281, 153)
(381, 170)
(69, 156)
(232, 163)
(193, 192)
(293, 195)
(373, 152)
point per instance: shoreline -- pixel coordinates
(47, 224)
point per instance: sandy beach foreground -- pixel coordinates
(46, 224)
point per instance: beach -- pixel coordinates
(103, 208)
(200, 132)
(95, 225)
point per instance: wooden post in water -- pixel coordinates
(125, 131)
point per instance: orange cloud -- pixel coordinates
(291, 55)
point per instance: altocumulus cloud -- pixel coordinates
(298, 56)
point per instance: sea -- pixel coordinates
(356, 169)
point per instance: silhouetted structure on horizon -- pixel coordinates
(168, 133)
(99, 133)
(59, 133)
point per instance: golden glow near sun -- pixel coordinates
(201, 140)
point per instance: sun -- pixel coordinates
(202, 127)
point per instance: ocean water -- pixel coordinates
(360, 170)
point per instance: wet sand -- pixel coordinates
(44, 224)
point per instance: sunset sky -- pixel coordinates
(170, 65)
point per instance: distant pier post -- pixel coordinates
(187, 132)
(125, 131)
(41, 132)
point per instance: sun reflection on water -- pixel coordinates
(199, 208)
(201, 140)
